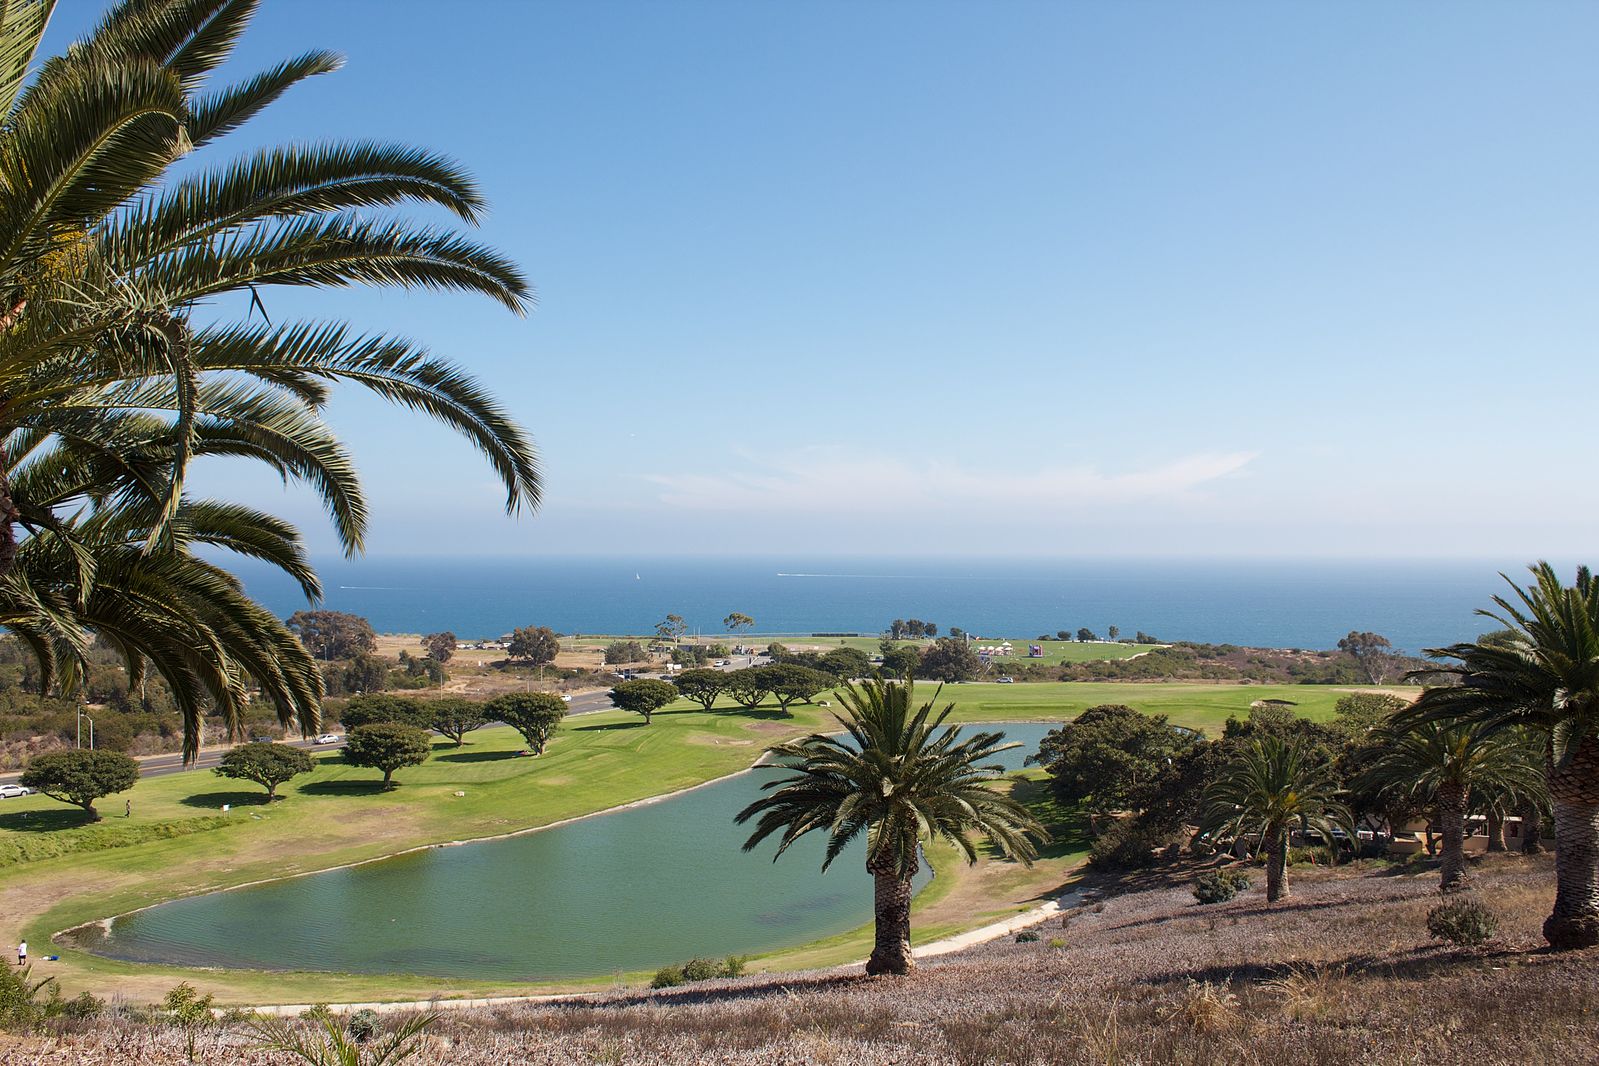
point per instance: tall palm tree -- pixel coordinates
(900, 777)
(105, 255)
(1445, 766)
(1544, 678)
(1269, 787)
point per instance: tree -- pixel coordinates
(948, 659)
(747, 686)
(114, 230)
(691, 655)
(738, 623)
(1371, 652)
(539, 645)
(1113, 632)
(701, 686)
(440, 646)
(387, 746)
(1544, 678)
(644, 696)
(1441, 767)
(1268, 787)
(533, 714)
(1063, 634)
(902, 778)
(1107, 759)
(375, 707)
(896, 629)
(671, 628)
(791, 683)
(1085, 634)
(625, 651)
(1359, 713)
(455, 717)
(81, 776)
(845, 663)
(929, 629)
(268, 765)
(365, 673)
(333, 634)
(901, 661)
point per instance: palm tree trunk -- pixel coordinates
(1496, 830)
(891, 951)
(1531, 830)
(1574, 790)
(1452, 822)
(1276, 865)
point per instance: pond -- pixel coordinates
(633, 890)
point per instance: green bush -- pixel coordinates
(83, 1007)
(24, 1002)
(1315, 856)
(1123, 846)
(1027, 936)
(732, 966)
(667, 977)
(1219, 886)
(362, 1025)
(700, 970)
(1462, 921)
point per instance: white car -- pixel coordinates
(566, 698)
(1007, 681)
(329, 738)
(14, 791)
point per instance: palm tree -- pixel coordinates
(1269, 787)
(1444, 766)
(900, 777)
(1544, 678)
(105, 255)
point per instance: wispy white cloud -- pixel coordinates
(807, 480)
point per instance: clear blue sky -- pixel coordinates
(1014, 278)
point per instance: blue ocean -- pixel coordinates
(1275, 603)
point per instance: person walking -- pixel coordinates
(22, 953)
(127, 808)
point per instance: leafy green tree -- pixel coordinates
(1085, 634)
(701, 686)
(791, 684)
(268, 765)
(387, 746)
(81, 776)
(901, 779)
(1441, 767)
(114, 229)
(366, 673)
(691, 655)
(1113, 632)
(1268, 787)
(644, 696)
(738, 623)
(1372, 652)
(1359, 713)
(375, 707)
(1544, 678)
(1106, 760)
(333, 634)
(538, 645)
(845, 664)
(455, 717)
(440, 646)
(533, 714)
(625, 651)
(902, 660)
(747, 687)
(671, 628)
(948, 659)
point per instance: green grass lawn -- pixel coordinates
(338, 815)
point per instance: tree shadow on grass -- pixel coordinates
(373, 787)
(476, 756)
(213, 801)
(48, 821)
(612, 725)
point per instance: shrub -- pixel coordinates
(24, 1002)
(1027, 936)
(732, 966)
(83, 1007)
(667, 977)
(1463, 921)
(1057, 942)
(700, 970)
(1123, 847)
(1320, 855)
(1219, 886)
(362, 1025)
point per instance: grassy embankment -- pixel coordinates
(336, 816)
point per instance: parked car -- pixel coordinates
(566, 697)
(14, 791)
(1007, 680)
(329, 738)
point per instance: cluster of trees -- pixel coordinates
(538, 645)
(619, 652)
(911, 629)
(787, 683)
